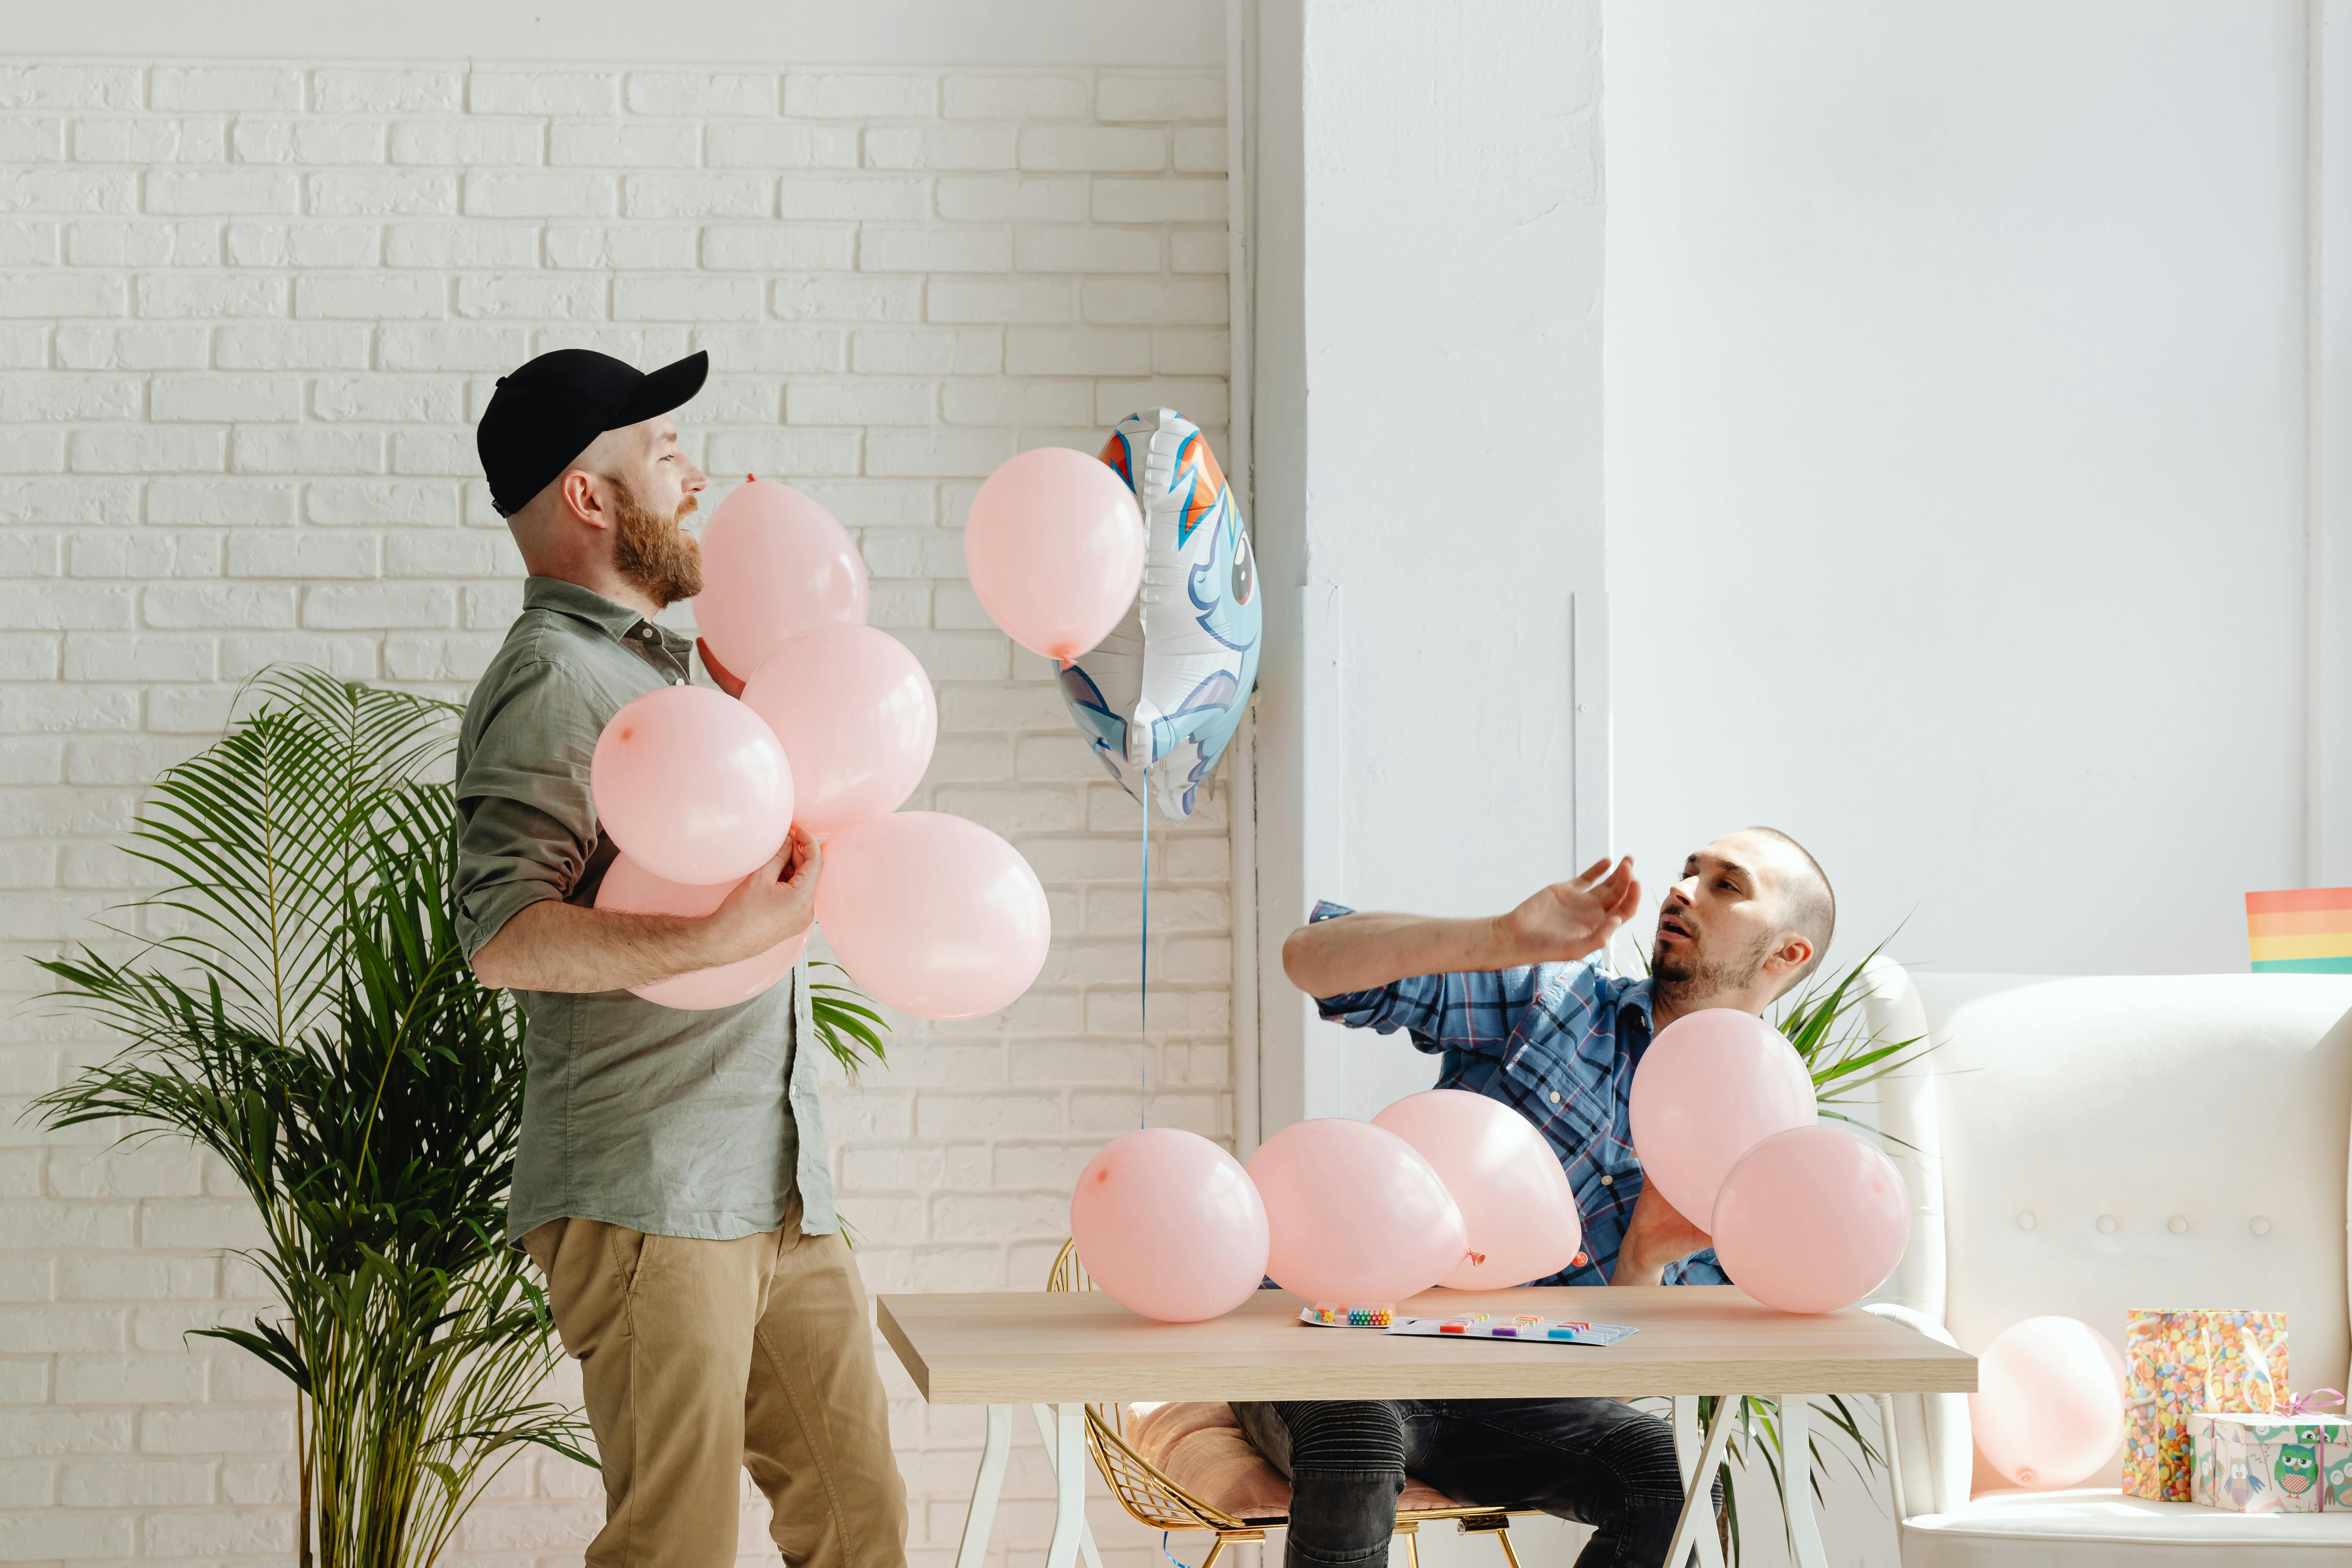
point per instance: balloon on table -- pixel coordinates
(856, 717)
(1811, 1220)
(2049, 1406)
(692, 785)
(773, 563)
(1054, 547)
(932, 914)
(1517, 1209)
(1169, 1225)
(1711, 1086)
(630, 887)
(1355, 1215)
(1160, 697)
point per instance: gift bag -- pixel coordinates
(2179, 1362)
(2287, 1463)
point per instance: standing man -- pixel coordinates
(672, 1182)
(1513, 1010)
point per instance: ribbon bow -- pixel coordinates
(2314, 1399)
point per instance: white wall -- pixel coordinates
(1428, 445)
(249, 310)
(1956, 380)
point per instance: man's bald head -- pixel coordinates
(1808, 903)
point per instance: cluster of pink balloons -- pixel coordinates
(1442, 1188)
(1805, 1217)
(2049, 1405)
(930, 914)
(1053, 546)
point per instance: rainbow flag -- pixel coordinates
(2301, 930)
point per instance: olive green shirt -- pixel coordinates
(659, 1120)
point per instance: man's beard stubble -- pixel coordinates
(651, 552)
(1685, 983)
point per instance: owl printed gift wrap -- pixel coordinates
(2270, 1464)
(2179, 1362)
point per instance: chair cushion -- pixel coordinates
(1199, 1445)
(2102, 1528)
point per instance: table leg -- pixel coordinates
(1043, 1417)
(1688, 1440)
(1796, 1480)
(1698, 1501)
(986, 1488)
(1070, 1452)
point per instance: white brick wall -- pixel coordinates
(249, 313)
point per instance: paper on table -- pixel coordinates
(1527, 1327)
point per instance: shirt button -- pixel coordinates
(1608, 1180)
(1555, 1097)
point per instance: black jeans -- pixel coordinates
(1595, 1461)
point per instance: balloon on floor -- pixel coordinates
(1169, 1225)
(2049, 1405)
(1159, 696)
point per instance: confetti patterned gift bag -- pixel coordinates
(2178, 1363)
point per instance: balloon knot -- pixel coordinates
(1477, 1258)
(750, 479)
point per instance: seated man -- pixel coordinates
(1514, 1012)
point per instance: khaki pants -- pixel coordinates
(701, 1358)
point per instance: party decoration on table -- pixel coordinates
(1160, 695)
(773, 563)
(1810, 1219)
(1054, 547)
(1527, 1328)
(2178, 1362)
(2284, 1463)
(629, 887)
(932, 914)
(1355, 1213)
(1713, 1085)
(1169, 1225)
(1324, 1315)
(1516, 1207)
(692, 785)
(2049, 1405)
(2300, 931)
(856, 717)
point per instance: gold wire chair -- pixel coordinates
(1151, 1499)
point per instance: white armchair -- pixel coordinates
(2087, 1145)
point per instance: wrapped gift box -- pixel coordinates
(2178, 1363)
(2270, 1464)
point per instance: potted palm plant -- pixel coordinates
(298, 1003)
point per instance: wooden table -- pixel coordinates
(1067, 1349)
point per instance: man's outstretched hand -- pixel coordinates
(727, 680)
(1571, 919)
(1656, 1237)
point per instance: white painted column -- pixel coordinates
(1426, 246)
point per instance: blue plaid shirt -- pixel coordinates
(1558, 1043)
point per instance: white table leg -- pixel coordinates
(1796, 1480)
(1698, 1503)
(1688, 1440)
(1070, 1452)
(1043, 1416)
(986, 1488)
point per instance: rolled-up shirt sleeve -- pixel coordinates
(526, 825)
(1475, 1012)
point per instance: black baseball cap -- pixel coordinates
(547, 412)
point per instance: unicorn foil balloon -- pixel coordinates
(1161, 697)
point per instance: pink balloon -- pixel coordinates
(857, 716)
(692, 784)
(773, 563)
(1811, 1220)
(1356, 1214)
(933, 915)
(629, 887)
(1516, 1201)
(1712, 1086)
(1169, 1224)
(2049, 1405)
(1055, 549)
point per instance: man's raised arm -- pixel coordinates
(1360, 951)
